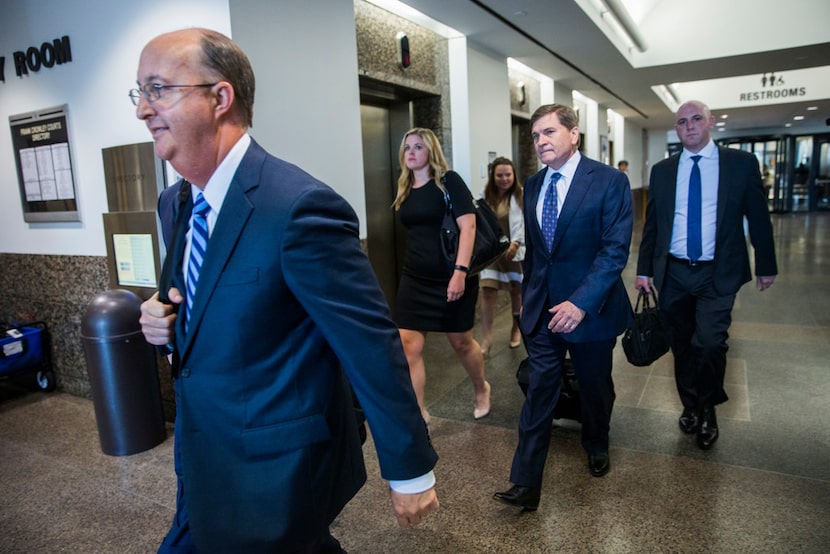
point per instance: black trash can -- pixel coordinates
(122, 374)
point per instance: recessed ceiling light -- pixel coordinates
(720, 123)
(788, 125)
(725, 116)
(812, 108)
(798, 117)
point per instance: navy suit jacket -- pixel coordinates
(740, 194)
(590, 251)
(286, 303)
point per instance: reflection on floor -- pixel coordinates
(765, 487)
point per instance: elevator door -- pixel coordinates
(383, 237)
(523, 151)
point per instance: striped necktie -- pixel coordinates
(694, 242)
(198, 245)
(550, 211)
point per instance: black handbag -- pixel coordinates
(490, 244)
(648, 338)
(569, 404)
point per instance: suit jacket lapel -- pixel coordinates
(171, 273)
(724, 177)
(576, 194)
(666, 211)
(534, 188)
(234, 214)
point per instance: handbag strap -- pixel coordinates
(447, 199)
(649, 299)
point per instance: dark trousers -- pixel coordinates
(592, 364)
(699, 320)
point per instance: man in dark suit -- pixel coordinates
(284, 303)
(578, 222)
(695, 250)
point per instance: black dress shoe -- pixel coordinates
(689, 421)
(527, 498)
(599, 464)
(707, 434)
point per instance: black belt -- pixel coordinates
(689, 263)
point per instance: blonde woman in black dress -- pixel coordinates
(428, 298)
(503, 193)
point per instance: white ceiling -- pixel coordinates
(686, 41)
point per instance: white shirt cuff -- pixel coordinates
(414, 486)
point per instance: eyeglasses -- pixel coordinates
(152, 91)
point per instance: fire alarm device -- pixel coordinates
(403, 50)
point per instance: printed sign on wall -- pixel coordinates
(44, 165)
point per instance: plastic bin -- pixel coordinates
(23, 348)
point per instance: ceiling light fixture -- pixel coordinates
(672, 88)
(812, 108)
(625, 25)
(667, 96)
(798, 117)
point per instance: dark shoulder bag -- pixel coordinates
(490, 243)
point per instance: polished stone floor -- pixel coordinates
(764, 487)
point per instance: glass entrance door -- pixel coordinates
(782, 182)
(821, 181)
(800, 193)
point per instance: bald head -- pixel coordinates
(694, 123)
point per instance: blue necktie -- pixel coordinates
(550, 211)
(198, 245)
(694, 246)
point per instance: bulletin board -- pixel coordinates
(44, 165)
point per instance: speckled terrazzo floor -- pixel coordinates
(765, 486)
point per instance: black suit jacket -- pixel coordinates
(740, 194)
(286, 298)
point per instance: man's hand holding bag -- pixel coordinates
(648, 338)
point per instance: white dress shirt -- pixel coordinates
(709, 181)
(563, 185)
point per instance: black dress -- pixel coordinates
(422, 295)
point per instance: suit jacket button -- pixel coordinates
(185, 372)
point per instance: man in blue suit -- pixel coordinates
(698, 278)
(270, 302)
(578, 222)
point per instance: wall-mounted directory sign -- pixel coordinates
(44, 165)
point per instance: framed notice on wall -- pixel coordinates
(44, 165)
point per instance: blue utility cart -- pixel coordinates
(25, 349)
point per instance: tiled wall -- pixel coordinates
(57, 290)
(425, 82)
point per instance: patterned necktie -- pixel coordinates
(198, 244)
(694, 241)
(550, 211)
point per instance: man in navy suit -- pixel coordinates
(578, 222)
(285, 304)
(695, 250)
